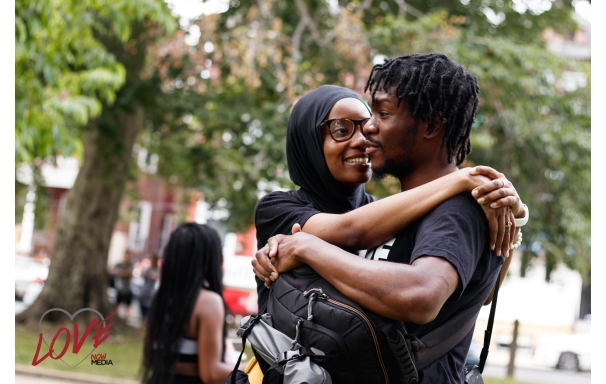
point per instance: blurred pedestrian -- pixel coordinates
(151, 277)
(186, 329)
(124, 273)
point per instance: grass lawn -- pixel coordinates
(124, 349)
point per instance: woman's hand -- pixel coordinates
(498, 192)
(501, 204)
(502, 228)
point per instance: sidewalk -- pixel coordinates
(25, 374)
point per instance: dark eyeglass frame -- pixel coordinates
(357, 123)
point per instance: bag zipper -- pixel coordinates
(324, 296)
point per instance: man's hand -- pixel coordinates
(262, 262)
(290, 247)
(265, 260)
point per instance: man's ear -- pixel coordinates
(438, 128)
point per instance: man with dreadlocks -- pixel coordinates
(423, 108)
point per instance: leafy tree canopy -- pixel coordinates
(64, 72)
(218, 121)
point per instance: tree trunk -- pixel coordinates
(78, 271)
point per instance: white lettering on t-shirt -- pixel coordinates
(378, 253)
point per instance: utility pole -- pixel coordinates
(512, 349)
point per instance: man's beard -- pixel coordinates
(396, 167)
(400, 165)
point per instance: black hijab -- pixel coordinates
(305, 153)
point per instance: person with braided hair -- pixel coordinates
(186, 330)
(442, 264)
(436, 90)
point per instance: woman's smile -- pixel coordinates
(347, 161)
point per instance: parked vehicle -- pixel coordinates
(240, 302)
(473, 355)
(569, 352)
(29, 276)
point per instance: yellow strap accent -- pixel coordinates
(253, 370)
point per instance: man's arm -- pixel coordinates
(414, 293)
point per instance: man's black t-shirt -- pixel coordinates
(457, 231)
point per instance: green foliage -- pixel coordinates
(216, 116)
(530, 125)
(20, 200)
(517, 20)
(229, 145)
(64, 73)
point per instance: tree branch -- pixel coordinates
(309, 21)
(409, 8)
(296, 40)
(364, 6)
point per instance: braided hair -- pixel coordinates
(192, 261)
(434, 86)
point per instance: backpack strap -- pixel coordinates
(438, 342)
(435, 344)
(488, 331)
(297, 353)
(243, 332)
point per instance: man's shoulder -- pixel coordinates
(462, 199)
(461, 205)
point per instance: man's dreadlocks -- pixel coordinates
(434, 86)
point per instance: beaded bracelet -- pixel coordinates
(518, 242)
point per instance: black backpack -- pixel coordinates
(358, 346)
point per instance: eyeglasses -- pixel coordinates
(343, 129)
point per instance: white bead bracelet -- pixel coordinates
(518, 242)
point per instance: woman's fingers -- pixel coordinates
(493, 226)
(490, 186)
(514, 231)
(499, 198)
(486, 171)
(507, 236)
(500, 234)
(296, 228)
(493, 185)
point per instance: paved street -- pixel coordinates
(532, 376)
(27, 379)
(539, 376)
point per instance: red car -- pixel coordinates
(242, 302)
